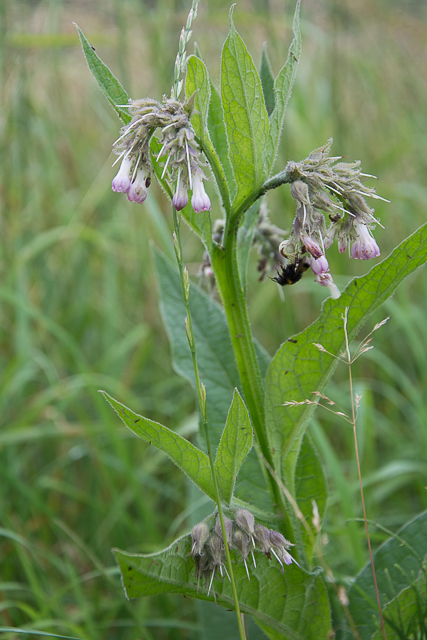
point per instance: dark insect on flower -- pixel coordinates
(292, 272)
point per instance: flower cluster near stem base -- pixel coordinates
(242, 534)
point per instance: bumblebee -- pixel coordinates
(292, 272)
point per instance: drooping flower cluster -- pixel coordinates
(181, 154)
(242, 534)
(324, 185)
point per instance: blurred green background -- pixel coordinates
(79, 300)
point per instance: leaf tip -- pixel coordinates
(230, 16)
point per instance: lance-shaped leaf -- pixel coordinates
(299, 368)
(235, 444)
(245, 115)
(293, 602)
(193, 462)
(401, 572)
(108, 83)
(197, 82)
(282, 90)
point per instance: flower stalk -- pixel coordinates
(201, 395)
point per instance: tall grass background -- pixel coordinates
(79, 299)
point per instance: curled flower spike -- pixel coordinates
(243, 535)
(200, 199)
(364, 247)
(122, 181)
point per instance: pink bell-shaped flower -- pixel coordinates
(122, 181)
(365, 246)
(200, 199)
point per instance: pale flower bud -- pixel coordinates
(246, 521)
(325, 280)
(121, 182)
(200, 200)
(180, 198)
(199, 536)
(137, 191)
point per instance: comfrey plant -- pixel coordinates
(256, 548)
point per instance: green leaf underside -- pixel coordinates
(193, 462)
(299, 368)
(398, 566)
(294, 602)
(310, 484)
(235, 444)
(245, 116)
(108, 83)
(197, 80)
(267, 80)
(282, 90)
(218, 370)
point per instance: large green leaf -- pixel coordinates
(108, 83)
(401, 570)
(235, 444)
(245, 115)
(282, 90)
(217, 366)
(193, 462)
(197, 81)
(293, 602)
(299, 368)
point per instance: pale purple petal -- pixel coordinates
(137, 191)
(200, 199)
(320, 265)
(122, 181)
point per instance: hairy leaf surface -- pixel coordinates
(245, 115)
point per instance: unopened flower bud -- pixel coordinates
(311, 246)
(262, 538)
(228, 528)
(246, 521)
(180, 198)
(199, 536)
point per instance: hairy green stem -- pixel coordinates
(225, 264)
(201, 395)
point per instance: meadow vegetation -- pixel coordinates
(79, 301)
